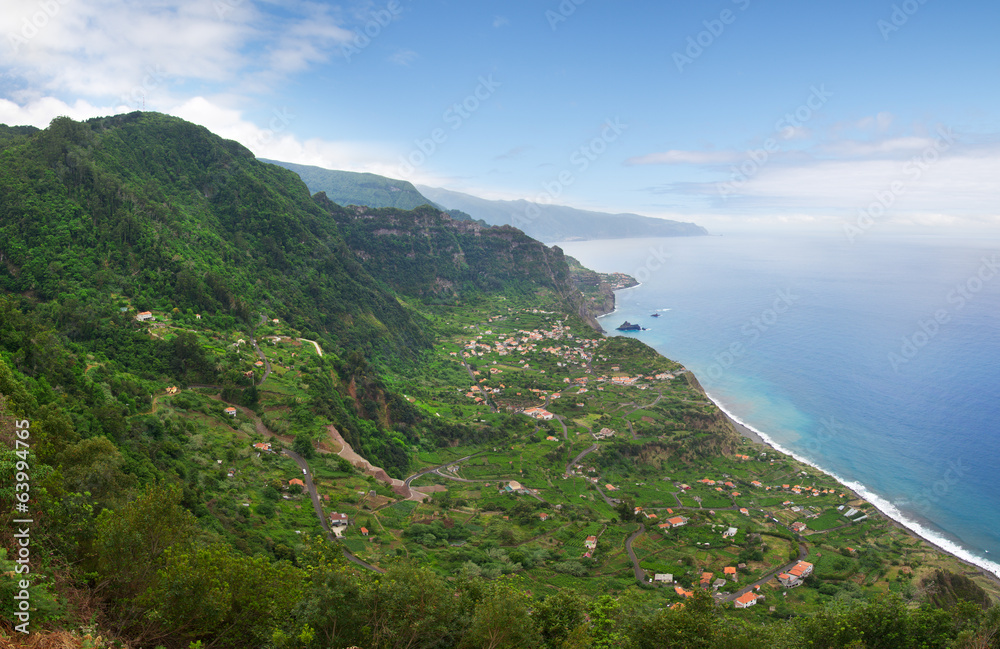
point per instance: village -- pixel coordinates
(557, 501)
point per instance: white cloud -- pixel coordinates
(891, 147)
(108, 48)
(404, 57)
(675, 156)
(41, 111)
(500, 21)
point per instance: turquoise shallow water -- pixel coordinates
(878, 361)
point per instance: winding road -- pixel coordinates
(640, 574)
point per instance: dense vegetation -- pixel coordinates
(157, 522)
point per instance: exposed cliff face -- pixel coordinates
(596, 290)
(427, 254)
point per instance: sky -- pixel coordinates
(827, 115)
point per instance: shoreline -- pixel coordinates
(976, 564)
(756, 437)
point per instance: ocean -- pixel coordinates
(877, 360)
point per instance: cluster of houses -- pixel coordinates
(809, 492)
(796, 574)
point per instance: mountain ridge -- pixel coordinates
(549, 223)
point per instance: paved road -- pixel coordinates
(640, 574)
(435, 469)
(311, 488)
(785, 568)
(316, 344)
(267, 363)
(579, 457)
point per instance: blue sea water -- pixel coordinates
(876, 360)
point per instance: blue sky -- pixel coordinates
(736, 114)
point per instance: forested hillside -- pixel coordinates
(161, 212)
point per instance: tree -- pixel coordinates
(500, 617)
(303, 445)
(131, 542)
(557, 616)
(213, 593)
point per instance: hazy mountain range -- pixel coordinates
(550, 223)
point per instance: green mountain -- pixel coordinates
(555, 223)
(158, 212)
(352, 188)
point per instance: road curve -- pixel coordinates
(785, 568)
(640, 574)
(298, 459)
(579, 457)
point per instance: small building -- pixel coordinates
(296, 481)
(664, 577)
(144, 316)
(706, 579)
(683, 593)
(172, 390)
(230, 411)
(799, 527)
(590, 542)
(677, 521)
(718, 583)
(730, 571)
(543, 516)
(729, 533)
(338, 519)
(796, 574)
(262, 446)
(539, 413)
(744, 511)
(364, 531)
(747, 600)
